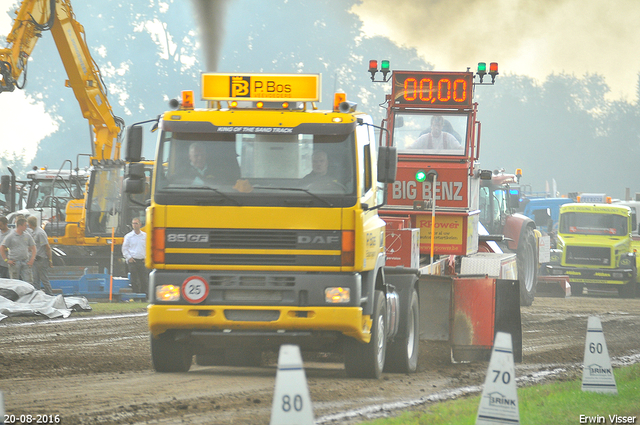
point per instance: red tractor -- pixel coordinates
(512, 231)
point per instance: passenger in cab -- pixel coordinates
(319, 177)
(437, 139)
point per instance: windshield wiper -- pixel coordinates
(296, 189)
(213, 189)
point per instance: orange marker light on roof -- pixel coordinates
(338, 98)
(187, 99)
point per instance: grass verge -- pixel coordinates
(557, 403)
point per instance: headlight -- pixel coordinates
(337, 295)
(167, 293)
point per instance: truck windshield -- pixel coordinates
(593, 224)
(433, 134)
(255, 169)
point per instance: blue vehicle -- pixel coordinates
(545, 212)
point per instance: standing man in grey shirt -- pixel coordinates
(4, 231)
(21, 252)
(43, 256)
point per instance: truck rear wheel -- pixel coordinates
(402, 354)
(169, 355)
(527, 267)
(367, 360)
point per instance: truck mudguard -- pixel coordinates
(369, 284)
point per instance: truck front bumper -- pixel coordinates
(267, 320)
(584, 275)
(263, 303)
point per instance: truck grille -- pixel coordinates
(253, 239)
(588, 255)
(296, 241)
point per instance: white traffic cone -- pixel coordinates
(291, 399)
(499, 401)
(597, 374)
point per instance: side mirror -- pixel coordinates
(398, 122)
(387, 164)
(5, 184)
(133, 152)
(134, 178)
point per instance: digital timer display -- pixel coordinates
(428, 88)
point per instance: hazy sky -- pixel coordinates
(526, 37)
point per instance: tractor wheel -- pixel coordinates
(169, 355)
(367, 360)
(527, 260)
(402, 354)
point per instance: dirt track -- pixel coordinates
(98, 370)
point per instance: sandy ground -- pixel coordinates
(98, 370)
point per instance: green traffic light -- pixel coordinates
(421, 176)
(482, 67)
(384, 64)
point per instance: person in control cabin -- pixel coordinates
(203, 170)
(436, 139)
(320, 176)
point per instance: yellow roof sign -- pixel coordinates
(261, 87)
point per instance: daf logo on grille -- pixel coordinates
(318, 239)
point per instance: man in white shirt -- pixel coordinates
(134, 248)
(437, 139)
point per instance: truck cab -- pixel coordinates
(263, 227)
(595, 248)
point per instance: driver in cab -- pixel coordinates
(436, 139)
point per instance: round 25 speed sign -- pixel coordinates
(195, 289)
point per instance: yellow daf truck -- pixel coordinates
(595, 248)
(264, 230)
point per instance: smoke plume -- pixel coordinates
(210, 16)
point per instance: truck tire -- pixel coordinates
(527, 261)
(169, 355)
(402, 353)
(367, 360)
